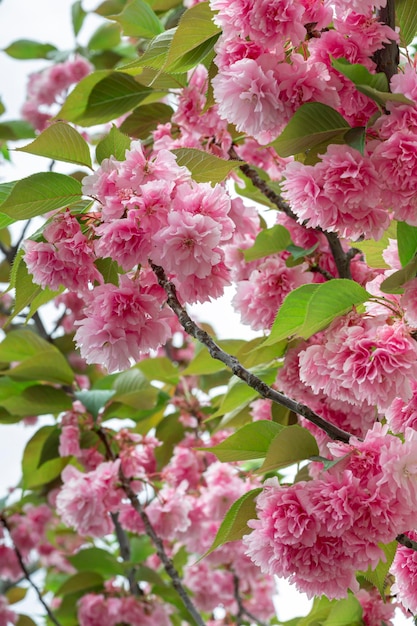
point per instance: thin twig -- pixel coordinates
(342, 259)
(237, 368)
(406, 541)
(242, 610)
(125, 553)
(160, 550)
(26, 573)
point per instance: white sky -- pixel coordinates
(48, 21)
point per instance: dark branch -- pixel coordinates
(27, 573)
(242, 611)
(388, 57)
(341, 258)
(237, 368)
(406, 541)
(160, 550)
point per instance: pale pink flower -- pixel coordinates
(366, 31)
(402, 414)
(396, 163)
(361, 359)
(188, 245)
(365, 7)
(7, 616)
(210, 587)
(375, 610)
(96, 610)
(121, 324)
(341, 193)
(85, 500)
(259, 297)
(168, 512)
(261, 409)
(194, 289)
(404, 569)
(124, 241)
(273, 23)
(9, 565)
(248, 95)
(409, 302)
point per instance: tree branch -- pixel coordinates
(388, 57)
(26, 573)
(341, 258)
(237, 368)
(406, 541)
(160, 550)
(241, 608)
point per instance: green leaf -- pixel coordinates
(345, 612)
(60, 142)
(140, 548)
(28, 49)
(195, 56)
(98, 561)
(35, 475)
(249, 442)
(114, 144)
(109, 269)
(407, 242)
(27, 293)
(138, 20)
(406, 16)
(111, 97)
(155, 54)
(159, 368)
(81, 581)
(106, 36)
(77, 16)
(291, 445)
(76, 102)
(145, 118)
(39, 359)
(395, 282)
(311, 125)
(360, 75)
(108, 7)
(378, 576)
(268, 241)
(37, 400)
(40, 193)
(355, 138)
(13, 130)
(373, 249)
(375, 86)
(310, 308)
(25, 620)
(235, 524)
(169, 431)
(204, 167)
(196, 26)
(15, 594)
(94, 400)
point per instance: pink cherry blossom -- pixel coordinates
(340, 194)
(404, 569)
(7, 616)
(121, 323)
(85, 500)
(259, 297)
(248, 95)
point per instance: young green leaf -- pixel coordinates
(77, 16)
(40, 193)
(235, 524)
(407, 242)
(249, 442)
(395, 282)
(269, 241)
(137, 19)
(406, 15)
(145, 118)
(311, 125)
(106, 36)
(27, 49)
(378, 576)
(310, 308)
(114, 144)
(60, 142)
(196, 26)
(204, 167)
(291, 445)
